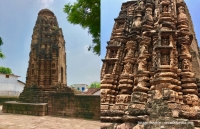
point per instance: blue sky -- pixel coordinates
(17, 19)
(110, 10)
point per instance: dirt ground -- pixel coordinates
(17, 121)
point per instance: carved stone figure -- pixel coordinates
(165, 42)
(110, 69)
(148, 15)
(165, 9)
(171, 41)
(142, 64)
(143, 50)
(130, 10)
(103, 96)
(127, 68)
(141, 4)
(165, 60)
(115, 68)
(186, 64)
(157, 12)
(184, 49)
(182, 15)
(130, 53)
(137, 22)
(158, 59)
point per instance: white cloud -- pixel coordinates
(45, 3)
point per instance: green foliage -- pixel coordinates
(94, 85)
(87, 14)
(5, 70)
(1, 54)
(1, 42)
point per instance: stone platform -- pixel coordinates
(37, 109)
(20, 121)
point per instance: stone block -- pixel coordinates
(25, 112)
(41, 114)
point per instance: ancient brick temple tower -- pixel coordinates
(151, 69)
(47, 65)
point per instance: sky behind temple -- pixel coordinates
(110, 9)
(17, 20)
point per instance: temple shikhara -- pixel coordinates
(151, 70)
(46, 91)
(47, 65)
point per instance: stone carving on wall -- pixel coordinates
(104, 94)
(113, 53)
(137, 22)
(165, 42)
(186, 65)
(143, 50)
(141, 4)
(182, 15)
(130, 53)
(165, 60)
(115, 68)
(122, 99)
(156, 12)
(157, 68)
(142, 64)
(130, 10)
(127, 68)
(185, 50)
(110, 69)
(165, 8)
(148, 15)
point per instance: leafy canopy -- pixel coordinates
(87, 14)
(5, 70)
(1, 54)
(94, 85)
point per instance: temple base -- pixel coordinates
(37, 109)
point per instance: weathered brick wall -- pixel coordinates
(38, 109)
(5, 98)
(68, 104)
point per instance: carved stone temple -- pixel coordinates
(47, 64)
(46, 91)
(150, 75)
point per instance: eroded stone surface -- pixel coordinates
(148, 70)
(46, 71)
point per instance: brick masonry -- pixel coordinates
(59, 104)
(82, 106)
(37, 109)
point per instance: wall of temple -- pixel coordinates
(151, 66)
(83, 106)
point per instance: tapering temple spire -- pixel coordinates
(47, 58)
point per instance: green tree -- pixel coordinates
(5, 70)
(1, 54)
(94, 85)
(87, 14)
